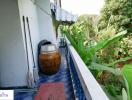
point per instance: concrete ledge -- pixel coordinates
(91, 87)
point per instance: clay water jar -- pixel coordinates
(50, 59)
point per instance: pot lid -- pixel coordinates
(48, 48)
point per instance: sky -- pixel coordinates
(80, 7)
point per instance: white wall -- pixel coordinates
(28, 9)
(13, 65)
(13, 62)
(45, 21)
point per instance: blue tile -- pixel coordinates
(77, 85)
(62, 76)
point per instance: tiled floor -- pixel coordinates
(79, 93)
(62, 76)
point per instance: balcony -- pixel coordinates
(78, 81)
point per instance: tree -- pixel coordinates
(118, 14)
(87, 23)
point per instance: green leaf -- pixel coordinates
(108, 93)
(127, 73)
(124, 94)
(111, 90)
(79, 47)
(102, 44)
(120, 60)
(107, 42)
(100, 67)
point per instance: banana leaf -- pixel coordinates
(127, 73)
(120, 60)
(124, 94)
(100, 67)
(102, 44)
(89, 56)
(71, 40)
(106, 90)
(79, 47)
(106, 43)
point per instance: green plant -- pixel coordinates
(127, 73)
(117, 13)
(102, 44)
(124, 94)
(89, 48)
(124, 47)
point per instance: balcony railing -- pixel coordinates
(91, 87)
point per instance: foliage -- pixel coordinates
(89, 55)
(88, 24)
(116, 16)
(118, 13)
(102, 44)
(105, 68)
(97, 49)
(125, 46)
(127, 73)
(120, 60)
(124, 94)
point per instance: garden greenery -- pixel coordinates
(105, 45)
